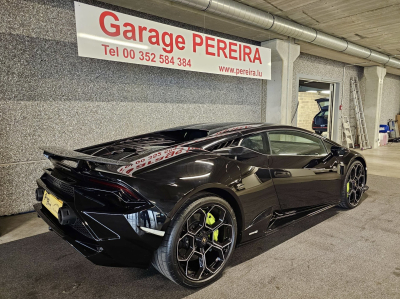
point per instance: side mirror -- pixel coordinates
(338, 150)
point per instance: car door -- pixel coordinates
(303, 171)
(256, 189)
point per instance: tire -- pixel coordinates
(184, 248)
(356, 179)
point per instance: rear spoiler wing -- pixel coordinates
(77, 156)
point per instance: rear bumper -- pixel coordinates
(107, 239)
(114, 253)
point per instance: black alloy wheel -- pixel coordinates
(199, 243)
(204, 242)
(354, 185)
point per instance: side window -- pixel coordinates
(295, 143)
(257, 142)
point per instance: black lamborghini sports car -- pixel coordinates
(182, 199)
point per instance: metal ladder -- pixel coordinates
(348, 137)
(359, 111)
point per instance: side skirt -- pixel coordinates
(286, 220)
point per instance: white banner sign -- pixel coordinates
(109, 35)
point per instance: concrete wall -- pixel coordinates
(50, 96)
(390, 98)
(308, 66)
(307, 109)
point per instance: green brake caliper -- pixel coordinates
(348, 188)
(210, 221)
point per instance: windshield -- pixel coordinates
(323, 113)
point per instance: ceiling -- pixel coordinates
(371, 23)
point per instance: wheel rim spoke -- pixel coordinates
(188, 241)
(202, 264)
(187, 264)
(361, 180)
(352, 197)
(215, 262)
(196, 221)
(222, 245)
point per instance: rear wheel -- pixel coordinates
(198, 243)
(354, 184)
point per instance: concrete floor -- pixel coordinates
(337, 254)
(383, 161)
(17, 227)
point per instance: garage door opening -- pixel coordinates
(315, 102)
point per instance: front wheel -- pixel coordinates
(198, 243)
(354, 185)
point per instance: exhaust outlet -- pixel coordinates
(39, 194)
(66, 216)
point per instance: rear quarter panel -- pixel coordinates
(170, 186)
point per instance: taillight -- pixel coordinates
(118, 187)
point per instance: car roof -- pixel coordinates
(213, 128)
(244, 128)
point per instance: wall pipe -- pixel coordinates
(249, 15)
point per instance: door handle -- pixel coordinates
(282, 174)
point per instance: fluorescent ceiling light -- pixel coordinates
(325, 92)
(111, 41)
(311, 91)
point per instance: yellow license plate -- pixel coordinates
(52, 203)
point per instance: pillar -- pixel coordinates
(279, 88)
(373, 100)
